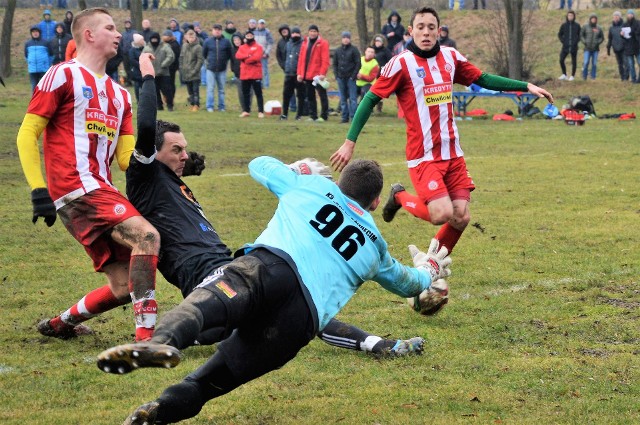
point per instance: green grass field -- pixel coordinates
(542, 324)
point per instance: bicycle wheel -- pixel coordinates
(311, 5)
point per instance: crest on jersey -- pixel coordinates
(448, 67)
(87, 92)
(420, 72)
(116, 103)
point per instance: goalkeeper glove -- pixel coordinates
(43, 206)
(435, 261)
(194, 165)
(309, 166)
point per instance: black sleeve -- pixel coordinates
(145, 144)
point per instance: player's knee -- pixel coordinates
(460, 221)
(441, 214)
(147, 240)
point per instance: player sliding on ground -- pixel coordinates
(318, 248)
(422, 78)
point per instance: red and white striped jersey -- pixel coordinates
(86, 116)
(424, 88)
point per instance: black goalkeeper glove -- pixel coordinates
(43, 206)
(194, 165)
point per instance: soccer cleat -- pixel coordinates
(126, 358)
(144, 415)
(406, 347)
(64, 332)
(391, 207)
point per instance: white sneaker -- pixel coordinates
(562, 77)
(570, 78)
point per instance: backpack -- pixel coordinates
(583, 103)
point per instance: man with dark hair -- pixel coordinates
(38, 54)
(569, 35)
(422, 78)
(217, 52)
(312, 68)
(275, 281)
(58, 44)
(346, 63)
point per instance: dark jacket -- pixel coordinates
(281, 48)
(113, 63)
(58, 46)
(615, 40)
(175, 47)
(398, 30)
(292, 54)
(217, 53)
(235, 62)
(126, 40)
(569, 35)
(134, 61)
(38, 55)
(591, 36)
(383, 55)
(191, 61)
(632, 44)
(346, 62)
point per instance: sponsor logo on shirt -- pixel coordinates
(119, 209)
(437, 93)
(102, 95)
(97, 122)
(87, 92)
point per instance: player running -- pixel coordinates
(422, 78)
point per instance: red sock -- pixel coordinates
(95, 302)
(413, 204)
(142, 286)
(448, 236)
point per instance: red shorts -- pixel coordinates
(90, 219)
(437, 179)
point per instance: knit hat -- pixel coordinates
(346, 34)
(34, 28)
(444, 28)
(631, 12)
(46, 12)
(173, 20)
(138, 40)
(168, 33)
(196, 24)
(296, 30)
(617, 13)
(249, 32)
(253, 21)
(262, 21)
(313, 27)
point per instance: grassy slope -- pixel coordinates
(541, 327)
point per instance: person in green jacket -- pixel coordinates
(591, 35)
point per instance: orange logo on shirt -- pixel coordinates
(97, 122)
(437, 93)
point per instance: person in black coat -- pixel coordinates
(383, 55)
(631, 35)
(616, 42)
(569, 35)
(346, 63)
(58, 44)
(393, 29)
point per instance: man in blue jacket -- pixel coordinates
(217, 53)
(38, 55)
(47, 26)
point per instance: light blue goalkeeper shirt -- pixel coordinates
(334, 244)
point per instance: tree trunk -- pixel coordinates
(377, 25)
(82, 4)
(5, 40)
(513, 9)
(136, 14)
(361, 24)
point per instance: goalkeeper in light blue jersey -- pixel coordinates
(316, 251)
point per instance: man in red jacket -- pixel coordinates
(313, 65)
(250, 56)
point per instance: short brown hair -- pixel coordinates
(422, 11)
(80, 19)
(362, 181)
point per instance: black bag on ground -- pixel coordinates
(583, 103)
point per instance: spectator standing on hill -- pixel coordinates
(121, 243)
(68, 19)
(164, 57)
(265, 39)
(568, 2)
(422, 78)
(58, 44)
(402, 46)
(174, 27)
(444, 38)
(314, 64)
(217, 53)
(191, 60)
(346, 63)
(569, 35)
(616, 42)
(292, 87)
(169, 38)
(631, 35)
(368, 71)
(383, 55)
(47, 26)
(38, 54)
(591, 35)
(250, 55)
(154, 4)
(484, 4)
(236, 42)
(452, 4)
(134, 63)
(126, 42)
(200, 33)
(230, 29)
(393, 29)
(146, 30)
(281, 56)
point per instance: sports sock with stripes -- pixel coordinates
(95, 302)
(142, 285)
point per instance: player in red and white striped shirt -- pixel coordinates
(87, 122)
(422, 78)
